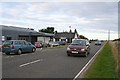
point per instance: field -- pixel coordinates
(116, 51)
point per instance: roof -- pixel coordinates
(64, 34)
(25, 31)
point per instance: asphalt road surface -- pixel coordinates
(45, 63)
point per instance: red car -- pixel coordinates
(79, 47)
(38, 45)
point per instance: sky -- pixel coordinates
(91, 19)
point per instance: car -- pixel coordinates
(61, 42)
(53, 44)
(90, 41)
(38, 45)
(98, 42)
(79, 47)
(44, 44)
(0, 47)
(17, 47)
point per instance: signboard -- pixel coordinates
(47, 39)
(43, 39)
(40, 39)
(63, 37)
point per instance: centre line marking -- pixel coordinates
(29, 63)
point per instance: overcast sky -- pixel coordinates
(91, 19)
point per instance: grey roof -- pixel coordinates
(17, 29)
(24, 31)
(64, 34)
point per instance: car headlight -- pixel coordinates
(68, 48)
(82, 49)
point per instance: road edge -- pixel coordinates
(86, 67)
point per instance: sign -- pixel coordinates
(63, 37)
(40, 39)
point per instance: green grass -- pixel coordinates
(104, 65)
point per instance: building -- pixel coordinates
(28, 34)
(66, 36)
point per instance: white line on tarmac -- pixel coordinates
(9, 56)
(88, 63)
(30, 63)
(23, 54)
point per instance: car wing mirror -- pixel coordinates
(87, 44)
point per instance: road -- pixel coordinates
(45, 63)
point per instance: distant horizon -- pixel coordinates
(57, 31)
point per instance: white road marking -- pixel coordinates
(9, 56)
(88, 63)
(30, 63)
(23, 54)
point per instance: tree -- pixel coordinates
(48, 30)
(82, 37)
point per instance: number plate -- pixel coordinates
(5, 46)
(74, 52)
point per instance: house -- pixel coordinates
(28, 34)
(66, 36)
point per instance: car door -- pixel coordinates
(28, 46)
(23, 46)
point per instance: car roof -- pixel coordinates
(81, 39)
(15, 40)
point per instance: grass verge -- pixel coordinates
(104, 65)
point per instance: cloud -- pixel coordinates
(84, 16)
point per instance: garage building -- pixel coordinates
(28, 34)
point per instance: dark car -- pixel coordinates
(17, 46)
(79, 47)
(0, 47)
(61, 42)
(44, 44)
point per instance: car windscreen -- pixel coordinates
(8, 43)
(78, 42)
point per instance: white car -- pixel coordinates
(98, 42)
(53, 44)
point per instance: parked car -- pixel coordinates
(44, 44)
(79, 47)
(98, 42)
(0, 47)
(17, 47)
(61, 42)
(53, 44)
(38, 45)
(90, 41)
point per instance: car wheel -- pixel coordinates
(68, 54)
(89, 52)
(19, 52)
(86, 54)
(33, 49)
(7, 53)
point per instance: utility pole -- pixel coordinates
(108, 35)
(70, 33)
